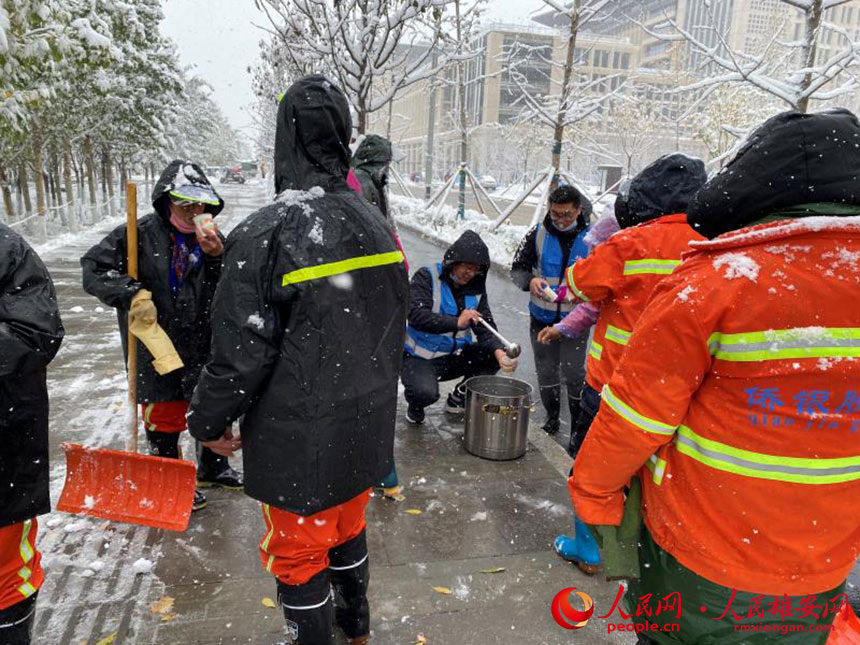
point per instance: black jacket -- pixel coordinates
(790, 160)
(664, 187)
(371, 162)
(469, 247)
(30, 335)
(185, 316)
(526, 258)
(308, 351)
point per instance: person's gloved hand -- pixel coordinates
(142, 307)
(563, 294)
(143, 323)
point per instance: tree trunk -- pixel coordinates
(108, 166)
(809, 50)
(103, 176)
(55, 174)
(564, 100)
(24, 187)
(8, 206)
(67, 182)
(362, 119)
(90, 165)
(41, 207)
(464, 129)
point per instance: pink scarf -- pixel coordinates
(180, 224)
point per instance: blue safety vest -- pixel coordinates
(548, 267)
(426, 345)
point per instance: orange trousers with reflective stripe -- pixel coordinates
(21, 572)
(164, 416)
(295, 548)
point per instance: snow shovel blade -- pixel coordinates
(128, 487)
(846, 628)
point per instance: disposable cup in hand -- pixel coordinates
(549, 294)
(204, 223)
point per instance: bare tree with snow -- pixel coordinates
(808, 68)
(568, 103)
(361, 42)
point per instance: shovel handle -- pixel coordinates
(131, 249)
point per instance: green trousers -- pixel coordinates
(781, 623)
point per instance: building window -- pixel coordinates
(625, 61)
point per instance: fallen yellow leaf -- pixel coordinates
(493, 570)
(422, 640)
(414, 511)
(107, 640)
(162, 606)
(268, 602)
(442, 590)
(164, 619)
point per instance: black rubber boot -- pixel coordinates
(163, 444)
(308, 611)
(350, 575)
(16, 622)
(214, 470)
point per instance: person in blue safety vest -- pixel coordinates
(538, 267)
(444, 338)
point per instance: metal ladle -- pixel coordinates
(512, 350)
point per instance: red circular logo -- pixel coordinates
(564, 613)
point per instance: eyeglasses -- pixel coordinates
(563, 216)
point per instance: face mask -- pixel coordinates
(567, 228)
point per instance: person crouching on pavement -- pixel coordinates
(444, 338)
(30, 335)
(308, 335)
(179, 268)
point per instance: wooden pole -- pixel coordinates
(131, 243)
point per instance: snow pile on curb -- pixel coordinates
(447, 227)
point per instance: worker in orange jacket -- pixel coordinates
(619, 276)
(739, 388)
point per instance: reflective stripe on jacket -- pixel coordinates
(738, 390)
(620, 275)
(550, 267)
(426, 345)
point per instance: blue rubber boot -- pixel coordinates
(581, 549)
(390, 486)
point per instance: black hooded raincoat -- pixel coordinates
(371, 162)
(184, 316)
(308, 323)
(30, 336)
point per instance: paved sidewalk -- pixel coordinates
(474, 515)
(106, 581)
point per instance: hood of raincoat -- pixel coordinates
(312, 137)
(186, 179)
(664, 187)
(373, 155)
(791, 160)
(469, 247)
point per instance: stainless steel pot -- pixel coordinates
(497, 416)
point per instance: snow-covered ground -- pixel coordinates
(443, 224)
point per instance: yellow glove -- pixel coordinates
(142, 307)
(142, 322)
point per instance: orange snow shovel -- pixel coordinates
(123, 485)
(846, 628)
